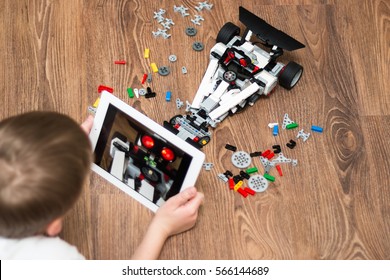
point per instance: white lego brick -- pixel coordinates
(234, 101)
(203, 88)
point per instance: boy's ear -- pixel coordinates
(54, 228)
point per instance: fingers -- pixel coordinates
(87, 124)
(195, 202)
(182, 197)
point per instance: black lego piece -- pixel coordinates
(230, 147)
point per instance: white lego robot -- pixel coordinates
(239, 72)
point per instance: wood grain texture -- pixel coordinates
(334, 205)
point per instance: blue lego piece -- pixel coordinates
(317, 128)
(168, 96)
(275, 130)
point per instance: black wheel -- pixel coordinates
(227, 32)
(172, 121)
(290, 75)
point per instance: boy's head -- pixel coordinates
(44, 160)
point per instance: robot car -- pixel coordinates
(239, 73)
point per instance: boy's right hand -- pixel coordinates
(178, 213)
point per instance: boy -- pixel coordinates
(45, 159)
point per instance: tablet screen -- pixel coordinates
(140, 158)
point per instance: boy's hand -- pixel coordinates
(179, 213)
(87, 124)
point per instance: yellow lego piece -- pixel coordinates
(154, 67)
(146, 53)
(238, 185)
(96, 104)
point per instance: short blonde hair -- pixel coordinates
(45, 158)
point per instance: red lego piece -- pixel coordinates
(266, 153)
(231, 183)
(279, 169)
(250, 191)
(101, 88)
(144, 78)
(120, 62)
(270, 155)
(242, 192)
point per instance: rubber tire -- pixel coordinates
(291, 74)
(227, 32)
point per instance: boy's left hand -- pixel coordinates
(87, 124)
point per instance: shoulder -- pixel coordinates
(38, 247)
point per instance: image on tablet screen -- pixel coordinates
(140, 158)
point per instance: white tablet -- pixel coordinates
(139, 156)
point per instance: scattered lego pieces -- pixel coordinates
(136, 92)
(238, 185)
(291, 144)
(179, 103)
(208, 165)
(172, 58)
(242, 192)
(292, 126)
(149, 79)
(231, 183)
(317, 129)
(149, 93)
(168, 96)
(164, 71)
(303, 135)
(228, 173)
(181, 9)
(255, 154)
(277, 149)
(142, 91)
(241, 159)
(197, 46)
(146, 53)
(144, 77)
(184, 70)
(130, 92)
(269, 177)
(121, 62)
(271, 125)
(230, 147)
(204, 5)
(154, 67)
(249, 191)
(96, 103)
(286, 121)
(223, 177)
(244, 175)
(258, 183)
(251, 170)
(191, 31)
(279, 169)
(275, 130)
(197, 19)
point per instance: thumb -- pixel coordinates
(87, 124)
(182, 197)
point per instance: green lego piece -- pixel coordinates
(130, 92)
(269, 177)
(251, 170)
(292, 126)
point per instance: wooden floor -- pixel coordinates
(334, 205)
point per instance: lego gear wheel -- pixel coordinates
(258, 183)
(241, 159)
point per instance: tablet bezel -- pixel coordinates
(195, 166)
